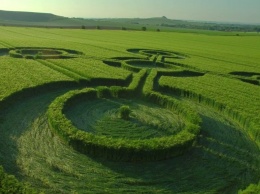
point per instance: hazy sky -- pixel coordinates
(209, 10)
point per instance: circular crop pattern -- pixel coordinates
(112, 137)
(123, 118)
(105, 125)
(154, 59)
(43, 53)
(163, 53)
(125, 137)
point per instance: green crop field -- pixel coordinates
(99, 111)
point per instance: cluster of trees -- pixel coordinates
(84, 27)
(123, 28)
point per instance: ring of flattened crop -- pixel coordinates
(116, 149)
(42, 53)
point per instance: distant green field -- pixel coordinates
(194, 111)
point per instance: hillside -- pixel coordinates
(14, 18)
(28, 16)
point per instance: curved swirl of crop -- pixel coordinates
(121, 148)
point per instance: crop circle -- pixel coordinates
(43, 53)
(123, 118)
(152, 59)
(120, 148)
(163, 53)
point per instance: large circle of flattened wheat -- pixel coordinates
(43, 53)
(92, 126)
(146, 120)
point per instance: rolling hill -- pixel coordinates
(28, 16)
(33, 19)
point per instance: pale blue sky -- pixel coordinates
(209, 10)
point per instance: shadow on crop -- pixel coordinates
(18, 112)
(224, 160)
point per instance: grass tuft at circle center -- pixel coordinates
(124, 112)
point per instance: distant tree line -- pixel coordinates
(217, 27)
